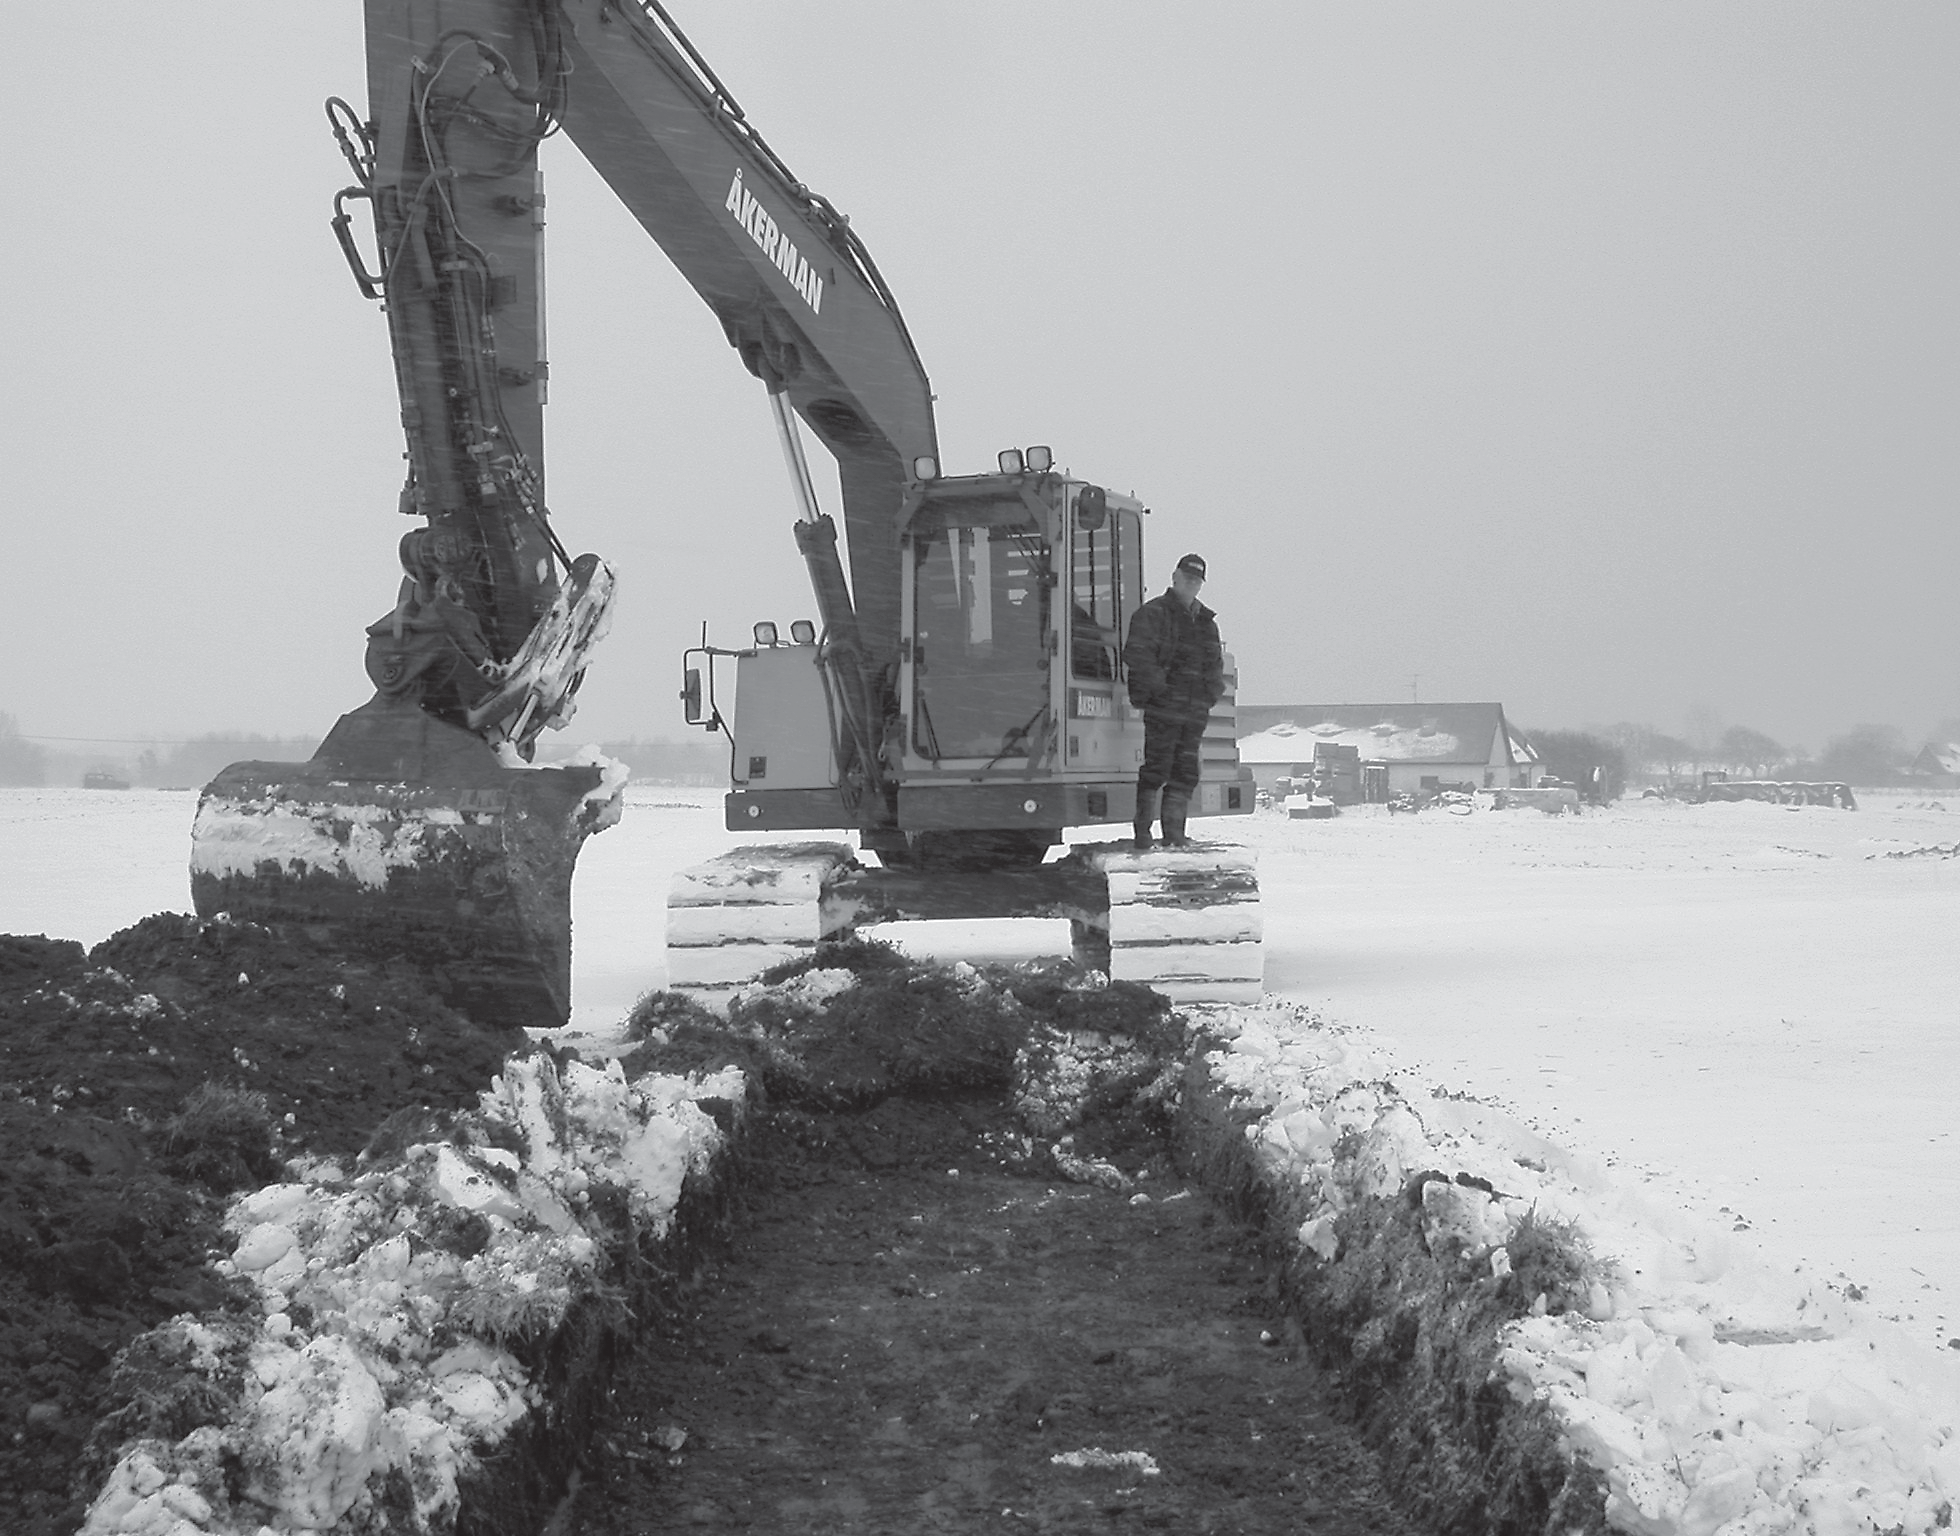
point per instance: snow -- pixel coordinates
(1746, 1003)
(1295, 743)
(1709, 1380)
(1723, 1034)
(364, 842)
(374, 1383)
(1141, 1463)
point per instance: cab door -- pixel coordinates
(1098, 610)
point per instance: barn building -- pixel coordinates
(1387, 748)
(1938, 764)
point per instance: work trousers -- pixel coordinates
(1170, 763)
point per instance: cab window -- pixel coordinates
(1094, 598)
(980, 640)
(1129, 567)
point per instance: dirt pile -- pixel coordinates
(139, 1083)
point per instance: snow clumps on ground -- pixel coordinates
(1715, 1392)
(395, 1305)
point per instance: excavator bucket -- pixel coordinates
(407, 837)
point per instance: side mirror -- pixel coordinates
(1091, 508)
(691, 696)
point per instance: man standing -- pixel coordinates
(1176, 670)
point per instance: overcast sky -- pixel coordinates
(1602, 360)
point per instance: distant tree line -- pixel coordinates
(21, 761)
(1574, 755)
(1869, 756)
(176, 764)
(193, 764)
(1628, 754)
(699, 761)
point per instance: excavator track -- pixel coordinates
(1185, 921)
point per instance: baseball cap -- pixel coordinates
(1193, 565)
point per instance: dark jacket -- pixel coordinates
(1175, 663)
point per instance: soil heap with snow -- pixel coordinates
(140, 1083)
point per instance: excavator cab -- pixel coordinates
(1010, 670)
(1007, 718)
(1007, 722)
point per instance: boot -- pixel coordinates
(1174, 813)
(1142, 831)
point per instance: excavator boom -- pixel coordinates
(419, 825)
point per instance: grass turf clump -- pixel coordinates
(674, 1033)
(222, 1137)
(861, 957)
(1125, 1008)
(176, 1378)
(1552, 1259)
(877, 1024)
(855, 1022)
(657, 1015)
(1415, 1339)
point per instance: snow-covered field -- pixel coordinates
(1752, 1001)
(1748, 1006)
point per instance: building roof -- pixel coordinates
(1393, 733)
(1938, 757)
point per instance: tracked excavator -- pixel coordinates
(958, 703)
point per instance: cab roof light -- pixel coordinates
(802, 632)
(1041, 458)
(765, 634)
(1011, 462)
(925, 467)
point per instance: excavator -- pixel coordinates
(958, 703)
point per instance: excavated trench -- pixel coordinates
(964, 1284)
(961, 1264)
(910, 1328)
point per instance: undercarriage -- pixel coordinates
(1184, 921)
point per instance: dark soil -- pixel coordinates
(904, 1332)
(140, 1082)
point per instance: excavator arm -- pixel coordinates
(494, 619)
(418, 826)
(462, 93)
(796, 294)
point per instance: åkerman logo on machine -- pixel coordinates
(775, 245)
